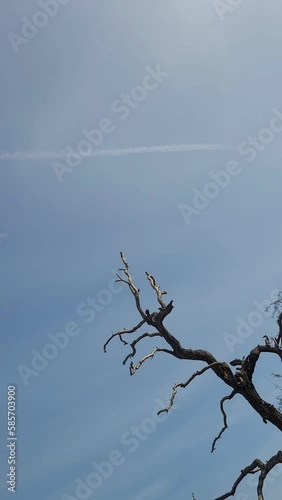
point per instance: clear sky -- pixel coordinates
(152, 128)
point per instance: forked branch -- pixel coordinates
(122, 332)
(134, 369)
(240, 382)
(256, 466)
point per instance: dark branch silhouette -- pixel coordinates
(240, 381)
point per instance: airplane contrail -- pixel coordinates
(61, 154)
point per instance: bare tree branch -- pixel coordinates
(240, 382)
(134, 369)
(277, 310)
(132, 354)
(184, 384)
(122, 332)
(249, 363)
(256, 466)
(225, 426)
(276, 459)
(157, 289)
(134, 290)
(276, 305)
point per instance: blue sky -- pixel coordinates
(62, 228)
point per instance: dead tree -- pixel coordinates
(240, 382)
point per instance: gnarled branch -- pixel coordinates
(241, 381)
(133, 344)
(256, 466)
(225, 426)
